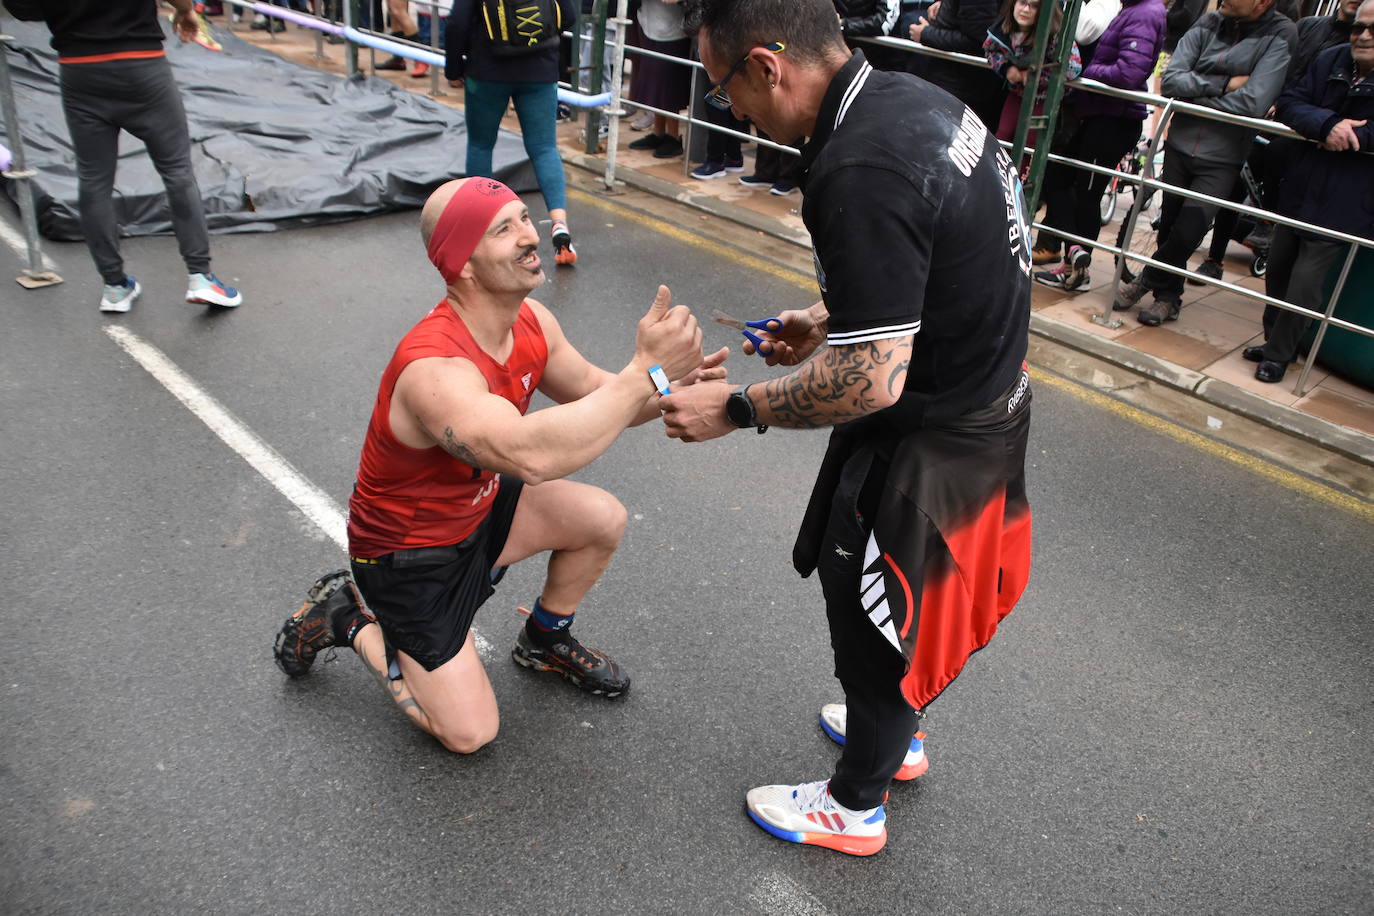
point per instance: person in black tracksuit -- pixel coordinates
(918, 523)
(115, 76)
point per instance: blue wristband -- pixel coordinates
(660, 379)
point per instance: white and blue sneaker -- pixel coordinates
(121, 296)
(208, 290)
(809, 814)
(833, 719)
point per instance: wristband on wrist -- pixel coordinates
(660, 379)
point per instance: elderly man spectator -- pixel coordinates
(1234, 60)
(1317, 33)
(961, 25)
(1328, 184)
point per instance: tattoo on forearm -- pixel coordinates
(457, 449)
(394, 689)
(838, 384)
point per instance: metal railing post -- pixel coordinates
(434, 89)
(594, 78)
(350, 20)
(1301, 388)
(617, 79)
(1049, 107)
(34, 276)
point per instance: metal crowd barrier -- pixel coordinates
(1145, 180)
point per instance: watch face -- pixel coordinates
(739, 410)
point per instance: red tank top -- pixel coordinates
(407, 497)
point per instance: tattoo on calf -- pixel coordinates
(837, 385)
(394, 689)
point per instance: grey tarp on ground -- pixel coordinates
(274, 144)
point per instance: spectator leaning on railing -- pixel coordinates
(1010, 49)
(1317, 33)
(1329, 183)
(1234, 60)
(961, 25)
(870, 19)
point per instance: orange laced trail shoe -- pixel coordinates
(833, 719)
(563, 252)
(809, 814)
(333, 607)
(588, 669)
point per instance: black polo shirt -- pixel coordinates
(918, 227)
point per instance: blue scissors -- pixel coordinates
(772, 325)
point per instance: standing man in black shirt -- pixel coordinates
(918, 522)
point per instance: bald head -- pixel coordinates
(434, 207)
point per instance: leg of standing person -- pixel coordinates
(1308, 262)
(91, 121)
(723, 154)
(484, 105)
(161, 125)
(536, 107)
(1075, 197)
(1223, 227)
(402, 26)
(1183, 224)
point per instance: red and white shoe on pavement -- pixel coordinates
(833, 719)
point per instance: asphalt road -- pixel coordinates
(1176, 719)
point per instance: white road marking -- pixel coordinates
(779, 895)
(15, 239)
(316, 504)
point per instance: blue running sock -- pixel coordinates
(546, 622)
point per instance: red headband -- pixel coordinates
(465, 219)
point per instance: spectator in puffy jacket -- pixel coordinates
(1234, 60)
(1010, 49)
(961, 25)
(1103, 130)
(1329, 183)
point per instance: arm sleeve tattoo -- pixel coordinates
(838, 384)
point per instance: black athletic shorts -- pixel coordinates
(425, 597)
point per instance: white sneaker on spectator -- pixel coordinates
(120, 297)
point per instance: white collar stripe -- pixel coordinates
(852, 92)
(868, 334)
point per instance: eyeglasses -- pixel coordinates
(716, 96)
(1359, 28)
(1029, 4)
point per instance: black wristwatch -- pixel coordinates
(740, 410)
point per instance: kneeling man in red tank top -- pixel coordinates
(457, 480)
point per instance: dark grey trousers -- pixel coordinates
(139, 96)
(1298, 267)
(1183, 223)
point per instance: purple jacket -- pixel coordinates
(1125, 58)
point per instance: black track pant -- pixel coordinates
(1182, 222)
(139, 96)
(1073, 197)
